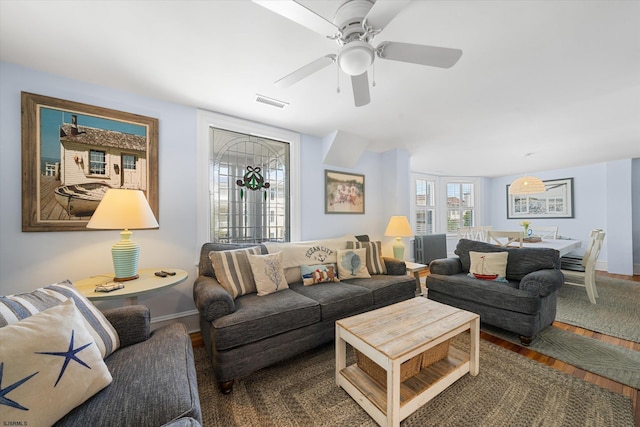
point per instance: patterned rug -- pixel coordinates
(510, 390)
(607, 360)
(617, 312)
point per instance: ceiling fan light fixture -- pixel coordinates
(527, 185)
(356, 57)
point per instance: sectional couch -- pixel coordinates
(249, 332)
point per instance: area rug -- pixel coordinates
(509, 390)
(617, 312)
(616, 363)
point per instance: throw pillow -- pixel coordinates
(233, 270)
(352, 265)
(268, 273)
(375, 263)
(312, 274)
(20, 306)
(489, 265)
(49, 364)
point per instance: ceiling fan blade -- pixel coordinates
(306, 71)
(301, 15)
(360, 86)
(433, 56)
(383, 11)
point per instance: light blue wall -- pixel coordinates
(603, 195)
(31, 260)
(619, 214)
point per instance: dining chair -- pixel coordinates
(498, 237)
(478, 232)
(589, 263)
(545, 232)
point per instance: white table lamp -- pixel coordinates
(398, 227)
(124, 209)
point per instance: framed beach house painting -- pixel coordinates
(343, 193)
(73, 153)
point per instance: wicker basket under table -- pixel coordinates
(407, 369)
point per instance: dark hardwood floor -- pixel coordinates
(603, 382)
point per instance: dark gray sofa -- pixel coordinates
(154, 377)
(525, 305)
(252, 332)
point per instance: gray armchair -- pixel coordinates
(525, 305)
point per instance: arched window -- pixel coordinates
(250, 182)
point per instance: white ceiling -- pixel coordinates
(559, 79)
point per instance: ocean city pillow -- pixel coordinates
(268, 273)
(14, 308)
(352, 264)
(49, 364)
(375, 263)
(489, 265)
(233, 270)
(313, 274)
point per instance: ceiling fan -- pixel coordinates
(355, 24)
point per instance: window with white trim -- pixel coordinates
(443, 204)
(208, 214)
(460, 205)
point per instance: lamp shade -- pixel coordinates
(398, 227)
(527, 185)
(123, 209)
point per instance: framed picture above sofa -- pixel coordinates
(72, 153)
(555, 202)
(343, 193)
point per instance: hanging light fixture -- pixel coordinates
(527, 185)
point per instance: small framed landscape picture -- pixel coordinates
(555, 202)
(343, 193)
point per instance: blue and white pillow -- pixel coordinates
(49, 364)
(14, 308)
(352, 264)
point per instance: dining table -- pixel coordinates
(564, 246)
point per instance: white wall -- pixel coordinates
(31, 260)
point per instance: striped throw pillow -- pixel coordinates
(375, 263)
(233, 270)
(14, 308)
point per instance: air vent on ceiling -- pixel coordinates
(271, 101)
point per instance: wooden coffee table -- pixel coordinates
(394, 334)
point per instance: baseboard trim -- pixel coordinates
(189, 318)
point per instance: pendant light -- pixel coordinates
(527, 184)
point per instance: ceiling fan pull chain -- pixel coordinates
(373, 75)
(337, 77)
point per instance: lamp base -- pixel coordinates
(398, 249)
(125, 255)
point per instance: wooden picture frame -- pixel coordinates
(343, 193)
(73, 152)
(555, 202)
